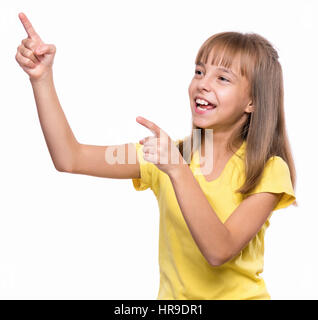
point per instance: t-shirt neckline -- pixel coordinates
(198, 172)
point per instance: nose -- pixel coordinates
(205, 83)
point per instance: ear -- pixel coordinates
(250, 107)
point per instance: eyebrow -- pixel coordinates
(220, 68)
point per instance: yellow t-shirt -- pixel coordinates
(185, 274)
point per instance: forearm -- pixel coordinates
(57, 132)
(207, 230)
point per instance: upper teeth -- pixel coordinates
(200, 101)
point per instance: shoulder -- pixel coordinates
(276, 178)
(148, 171)
(276, 166)
(276, 172)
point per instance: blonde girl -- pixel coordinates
(212, 222)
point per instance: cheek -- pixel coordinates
(231, 104)
(230, 98)
(226, 94)
(190, 88)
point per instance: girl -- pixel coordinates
(212, 223)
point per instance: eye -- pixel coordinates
(225, 79)
(197, 72)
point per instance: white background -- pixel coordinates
(65, 236)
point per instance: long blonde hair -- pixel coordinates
(264, 130)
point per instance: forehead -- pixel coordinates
(230, 71)
(224, 60)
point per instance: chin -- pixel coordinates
(203, 124)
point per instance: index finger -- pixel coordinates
(150, 125)
(28, 26)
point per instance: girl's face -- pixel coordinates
(223, 87)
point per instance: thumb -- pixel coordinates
(45, 49)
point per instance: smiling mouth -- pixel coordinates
(203, 108)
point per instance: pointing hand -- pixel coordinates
(160, 149)
(33, 55)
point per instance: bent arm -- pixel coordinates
(68, 155)
(218, 241)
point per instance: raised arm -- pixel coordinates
(68, 155)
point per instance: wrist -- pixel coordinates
(46, 77)
(179, 171)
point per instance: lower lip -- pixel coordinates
(203, 111)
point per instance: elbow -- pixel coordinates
(219, 261)
(59, 169)
(68, 162)
(63, 168)
(216, 262)
(221, 258)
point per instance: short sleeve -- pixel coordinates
(276, 179)
(146, 171)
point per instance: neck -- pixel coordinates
(220, 145)
(221, 138)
